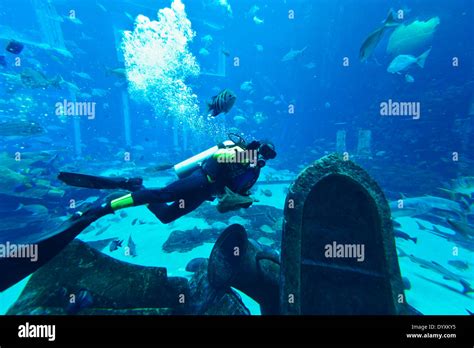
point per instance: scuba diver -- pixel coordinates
(226, 171)
(229, 169)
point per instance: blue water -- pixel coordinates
(299, 104)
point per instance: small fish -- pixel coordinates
(131, 247)
(15, 47)
(293, 54)
(82, 300)
(253, 11)
(269, 98)
(123, 214)
(225, 52)
(222, 102)
(403, 235)
(267, 193)
(119, 72)
(207, 40)
(258, 21)
(82, 75)
(134, 221)
(204, 52)
(405, 61)
(459, 264)
(369, 44)
(115, 244)
(409, 78)
(247, 86)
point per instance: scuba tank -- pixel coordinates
(186, 167)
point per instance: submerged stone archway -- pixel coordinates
(338, 251)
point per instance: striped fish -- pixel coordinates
(222, 102)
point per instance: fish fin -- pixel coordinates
(466, 287)
(390, 20)
(415, 240)
(422, 58)
(401, 253)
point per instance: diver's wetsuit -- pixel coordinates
(186, 194)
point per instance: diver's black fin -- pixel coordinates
(100, 182)
(13, 269)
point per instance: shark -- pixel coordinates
(422, 205)
(293, 54)
(436, 267)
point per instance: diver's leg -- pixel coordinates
(169, 213)
(100, 182)
(196, 184)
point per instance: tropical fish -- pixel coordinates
(436, 267)
(222, 102)
(369, 44)
(412, 38)
(258, 20)
(409, 78)
(403, 235)
(293, 54)
(115, 244)
(404, 61)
